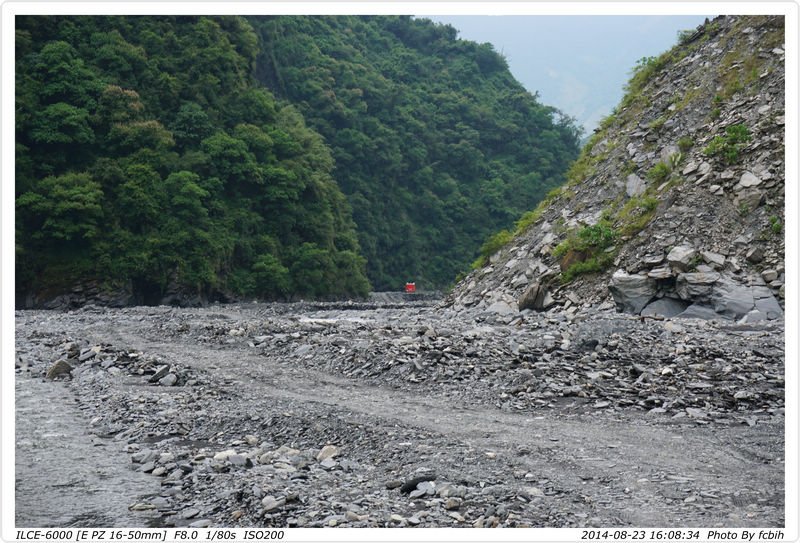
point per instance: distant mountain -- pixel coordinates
(436, 144)
(676, 204)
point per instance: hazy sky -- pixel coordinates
(580, 63)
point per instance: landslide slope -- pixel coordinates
(676, 204)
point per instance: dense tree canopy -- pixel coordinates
(147, 153)
(436, 145)
(268, 156)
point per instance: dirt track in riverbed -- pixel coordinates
(258, 381)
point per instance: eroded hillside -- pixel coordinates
(676, 205)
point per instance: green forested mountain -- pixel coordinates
(147, 153)
(213, 154)
(436, 144)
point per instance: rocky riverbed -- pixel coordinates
(400, 415)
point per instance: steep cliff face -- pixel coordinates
(676, 205)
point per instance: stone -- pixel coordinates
(714, 259)
(394, 483)
(203, 523)
(327, 451)
(690, 167)
(88, 354)
(665, 307)
(749, 179)
(240, 460)
(748, 199)
(501, 308)
(631, 293)
(161, 371)
(452, 504)
(190, 513)
(652, 260)
(755, 254)
(767, 303)
(270, 503)
(60, 369)
(699, 311)
(223, 456)
(668, 152)
(417, 493)
(411, 485)
(665, 272)
(535, 297)
(696, 286)
(696, 413)
(769, 275)
(634, 186)
(680, 257)
(733, 299)
(168, 380)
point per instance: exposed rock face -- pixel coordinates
(689, 175)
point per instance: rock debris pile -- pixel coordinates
(275, 414)
(686, 181)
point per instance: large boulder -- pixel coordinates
(736, 300)
(665, 307)
(696, 286)
(634, 186)
(681, 257)
(536, 297)
(631, 292)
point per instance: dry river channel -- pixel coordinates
(395, 414)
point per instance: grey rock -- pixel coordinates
(270, 503)
(714, 259)
(680, 257)
(634, 186)
(328, 463)
(202, 523)
(168, 380)
(161, 371)
(665, 307)
(696, 286)
(536, 297)
(749, 179)
(769, 275)
(664, 272)
(412, 483)
(501, 308)
(240, 460)
(631, 292)
(190, 513)
(755, 255)
(749, 199)
(58, 370)
(699, 311)
(143, 456)
(327, 451)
